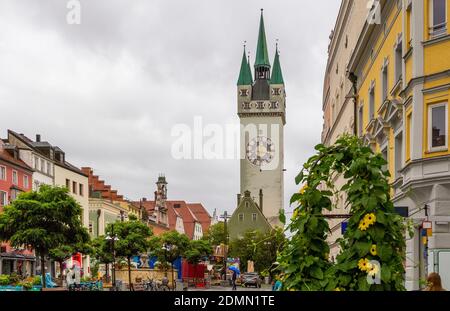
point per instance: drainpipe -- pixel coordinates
(261, 200)
(98, 222)
(354, 79)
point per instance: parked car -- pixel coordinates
(251, 279)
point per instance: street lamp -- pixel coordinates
(112, 237)
(168, 247)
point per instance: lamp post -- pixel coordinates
(168, 247)
(113, 238)
(225, 218)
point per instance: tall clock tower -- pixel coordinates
(261, 109)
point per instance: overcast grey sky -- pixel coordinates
(109, 90)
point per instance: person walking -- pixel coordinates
(434, 283)
(233, 279)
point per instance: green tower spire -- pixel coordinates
(262, 56)
(245, 74)
(277, 75)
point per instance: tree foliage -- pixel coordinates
(169, 246)
(43, 220)
(132, 237)
(261, 248)
(375, 231)
(198, 250)
(216, 234)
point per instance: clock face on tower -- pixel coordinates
(260, 150)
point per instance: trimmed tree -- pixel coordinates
(198, 250)
(43, 220)
(132, 240)
(216, 234)
(102, 252)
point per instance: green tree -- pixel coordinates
(216, 234)
(198, 250)
(168, 247)
(102, 252)
(261, 248)
(60, 255)
(46, 219)
(132, 240)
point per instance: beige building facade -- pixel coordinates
(338, 103)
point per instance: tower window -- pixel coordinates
(241, 217)
(276, 91)
(254, 217)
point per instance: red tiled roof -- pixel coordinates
(189, 212)
(6, 156)
(201, 214)
(96, 184)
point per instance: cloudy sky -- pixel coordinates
(109, 91)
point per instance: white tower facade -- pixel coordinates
(261, 109)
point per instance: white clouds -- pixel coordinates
(109, 90)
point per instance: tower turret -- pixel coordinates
(261, 88)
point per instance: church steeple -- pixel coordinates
(245, 74)
(262, 56)
(261, 87)
(277, 75)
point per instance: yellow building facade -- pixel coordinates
(401, 63)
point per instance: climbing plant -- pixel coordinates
(372, 248)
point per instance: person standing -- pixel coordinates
(233, 279)
(434, 283)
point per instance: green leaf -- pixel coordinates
(377, 233)
(381, 218)
(317, 273)
(363, 285)
(363, 248)
(299, 178)
(282, 217)
(384, 252)
(295, 197)
(385, 273)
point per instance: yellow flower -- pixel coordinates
(363, 264)
(302, 190)
(370, 219)
(374, 269)
(373, 250)
(337, 289)
(295, 214)
(363, 225)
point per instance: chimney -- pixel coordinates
(38, 138)
(238, 199)
(261, 200)
(144, 199)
